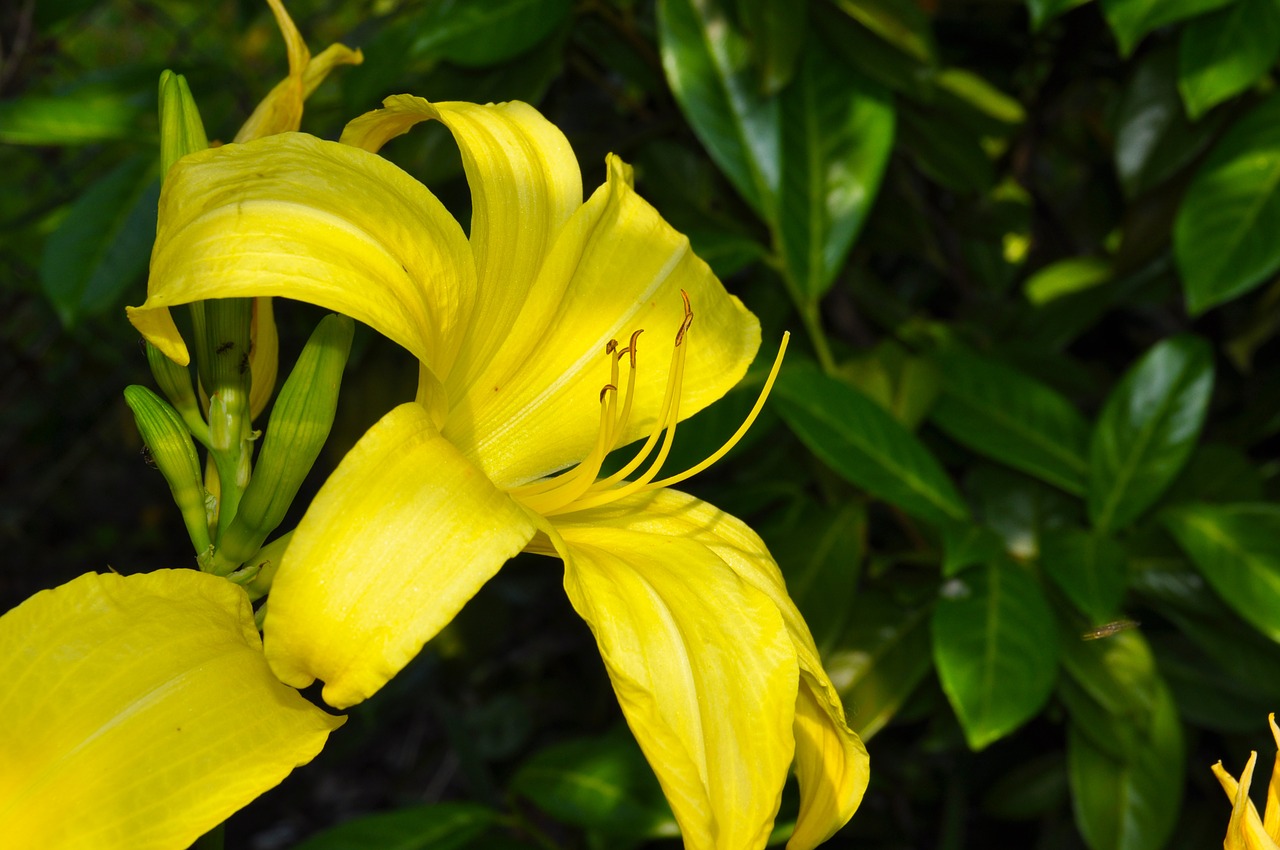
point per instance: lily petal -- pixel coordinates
(525, 184)
(138, 712)
(831, 760)
(322, 222)
(402, 534)
(617, 267)
(281, 110)
(701, 664)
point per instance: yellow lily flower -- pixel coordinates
(1246, 831)
(139, 712)
(533, 368)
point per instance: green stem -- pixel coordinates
(813, 325)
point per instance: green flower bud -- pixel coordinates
(175, 380)
(181, 130)
(171, 447)
(297, 430)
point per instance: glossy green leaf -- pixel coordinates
(477, 35)
(995, 643)
(901, 23)
(599, 783)
(1012, 418)
(1074, 274)
(1108, 680)
(967, 543)
(77, 118)
(441, 826)
(1147, 429)
(708, 66)
(1237, 549)
(101, 248)
(1129, 803)
(1018, 508)
(776, 30)
(859, 440)
(880, 660)
(1044, 11)
(1090, 569)
(1131, 20)
(1154, 140)
(979, 94)
(1225, 52)
(1222, 236)
(863, 49)
(837, 132)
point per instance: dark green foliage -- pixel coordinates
(1027, 253)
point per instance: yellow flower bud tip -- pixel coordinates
(579, 488)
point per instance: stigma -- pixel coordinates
(582, 486)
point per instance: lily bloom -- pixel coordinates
(557, 332)
(139, 712)
(1246, 831)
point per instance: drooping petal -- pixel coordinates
(525, 184)
(402, 534)
(831, 760)
(139, 712)
(330, 224)
(702, 666)
(616, 268)
(281, 110)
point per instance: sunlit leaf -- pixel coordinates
(1223, 53)
(1131, 20)
(1147, 429)
(996, 646)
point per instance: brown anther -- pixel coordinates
(688, 318)
(606, 389)
(611, 346)
(632, 346)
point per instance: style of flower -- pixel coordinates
(533, 368)
(1247, 831)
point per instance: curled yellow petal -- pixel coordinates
(525, 184)
(281, 110)
(831, 761)
(293, 216)
(139, 712)
(617, 267)
(402, 534)
(703, 669)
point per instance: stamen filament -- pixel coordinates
(578, 480)
(742, 429)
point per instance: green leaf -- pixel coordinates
(1129, 803)
(1044, 11)
(880, 660)
(102, 246)
(901, 23)
(820, 552)
(860, 441)
(599, 783)
(477, 35)
(1154, 140)
(967, 543)
(950, 155)
(1019, 508)
(1090, 569)
(1012, 418)
(1147, 429)
(1074, 274)
(442, 826)
(1237, 549)
(1222, 236)
(837, 132)
(977, 93)
(90, 114)
(1131, 20)
(776, 31)
(707, 63)
(995, 643)
(1225, 52)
